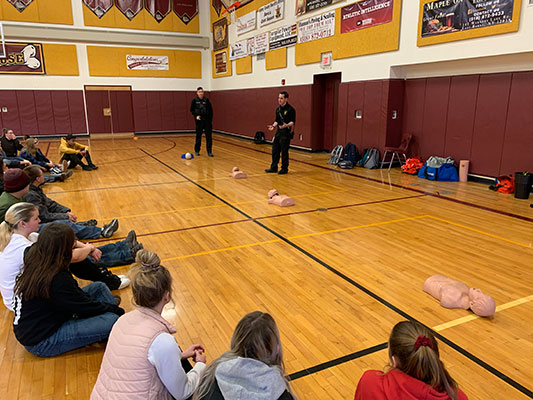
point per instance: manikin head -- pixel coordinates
(272, 193)
(200, 92)
(283, 98)
(481, 304)
(235, 169)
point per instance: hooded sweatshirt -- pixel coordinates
(248, 379)
(396, 385)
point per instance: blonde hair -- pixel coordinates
(256, 336)
(15, 214)
(417, 354)
(29, 145)
(150, 281)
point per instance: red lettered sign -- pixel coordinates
(22, 58)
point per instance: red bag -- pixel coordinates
(412, 165)
(504, 184)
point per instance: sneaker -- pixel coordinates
(86, 167)
(271, 171)
(118, 299)
(65, 164)
(131, 239)
(210, 154)
(92, 166)
(124, 282)
(109, 229)
(68, 174)
(61, 177)
(91, 222)
(56, 171)
(283, 172)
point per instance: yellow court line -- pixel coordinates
(468, 318)
(481, 232)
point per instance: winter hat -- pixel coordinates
(15, 180)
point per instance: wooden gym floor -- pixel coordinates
(336, 271)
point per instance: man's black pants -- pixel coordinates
(280, 145)
(77, 159)
(202, 126)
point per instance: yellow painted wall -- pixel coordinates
(60, 59)
(243, 65)
(276, 59)
(44, 11)
(111, 61)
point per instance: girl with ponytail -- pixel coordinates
(142, 360)
(417, 371)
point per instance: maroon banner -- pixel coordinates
(130, 8)
(185, 9)
(99, 7)
(364, 14)
(217, 5)
(220, 34)
(159, 9)
(20, 5)
(22, 58)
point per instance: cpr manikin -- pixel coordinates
(237, 173)
(279, 200)
(455, 294)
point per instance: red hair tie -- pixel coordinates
(423, 341)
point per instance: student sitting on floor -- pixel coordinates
(16, 185)
(142, 359)
(33, 154)
(53, 315)
(74, 153)
(252, 369)
(19, 231)
(3, 168)
(416, 373)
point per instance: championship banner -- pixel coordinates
(217, 5)
(449, 16)
(365, 13)
(152, 63)
(246, 23)
(221, 63)
(220, 34)
(158, 9)
(261, 43)
(283, 37)
(22, 58)
(130, 8)
(185, 9)
(99, 7)
(319, 27)
(20, 5)
(270, 13)
(238, 50)
(305, 6)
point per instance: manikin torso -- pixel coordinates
(279, 200)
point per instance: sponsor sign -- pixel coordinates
(246, 23)
(271, 13)
(221, 63)
(22, 58)
(283, 37)
(304, 6)
(238, 50)
(318, 27)
(220, 34)
(158, 63)
(448, 16)
(261, 43)
(365, 13)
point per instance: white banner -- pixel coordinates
(250, 46)
(246, 23)
(238, 50)
(283, 37)
(271, 12)
(261, 43)
(159, 63)
(315, 28)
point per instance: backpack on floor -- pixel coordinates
(345, 164)
(336, 155)
(412, 166)
(439, 169)
(364, 157)
(504, 184)
(259, 137)
(372, 160)
(351, 154)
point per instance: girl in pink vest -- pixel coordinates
(142, 360)
(252, 369)
(416, 373)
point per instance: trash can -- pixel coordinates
(463, 170)
(522, 185)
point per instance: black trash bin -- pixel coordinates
(522, 185)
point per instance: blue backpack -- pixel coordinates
(351, 154)
(439, 169)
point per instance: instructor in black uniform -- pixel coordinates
(285, 120)
(203, 116)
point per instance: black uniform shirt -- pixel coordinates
(284, 115)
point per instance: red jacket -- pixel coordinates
(395, 385)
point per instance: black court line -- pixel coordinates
(365, 290)
(437, 195)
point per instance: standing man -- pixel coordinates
(285, 120)
(203, 116)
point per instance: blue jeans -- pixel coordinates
(78, 333)
(81, 231)
(115, 254)
(13, 161)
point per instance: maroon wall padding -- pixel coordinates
(61, 111)
(96, 101)
(154, 111)
(78, 123)
(317, 111)
(433, 136)
(167, 111)
(140, 111)
(461, 114)
(394, 89)
(489, 124)
(122, 111)
(45, 112)
(413, 112)
(10, 119)
(517, 154)
(27, 113)
(342, 115)
(354, 126)
(372, 115)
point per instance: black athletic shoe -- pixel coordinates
(91, 222)
(86, 168)
(283, 172)
(131, 239)
(109, 229)
(92, 166)
(271, 171)
(117, 299)
(210, 154)
(197, 153)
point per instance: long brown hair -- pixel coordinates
(150, 281)
(29, 145)
(50, 255)
(417, 354)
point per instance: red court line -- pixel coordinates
(47, 149)
(439, 196)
